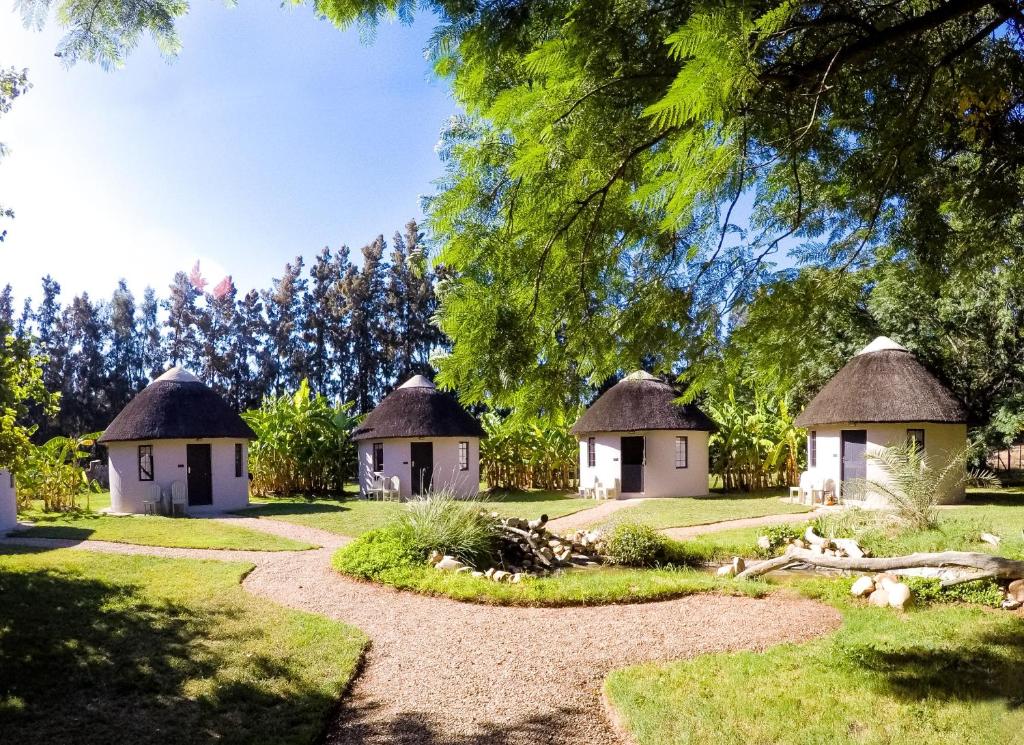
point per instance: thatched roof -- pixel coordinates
(883, 383)
(640, 402)
(177, 405)
(417, 409)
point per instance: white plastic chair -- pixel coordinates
(608, 492)
(376, 490)
(392, 489)
(152, 500)
(589, 492)
(807, 490)
(179, 499)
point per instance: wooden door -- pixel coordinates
(200, 475)
(853, 460)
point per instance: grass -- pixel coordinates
(97, 649)
(150, 530)
(999, 511)
(939, 674)
(684, 511)
(596, 586)
(353, 517)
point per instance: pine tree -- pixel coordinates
(254, 368)
(317, 319)
(365, 292)
(182, 315)
(125, 371)
(150, 338)
(7, 308)
(284, 302)
(85, 404)
(216, 331)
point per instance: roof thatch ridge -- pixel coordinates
(177, 405)
(417, 408)
(641, 402)
(884, 382)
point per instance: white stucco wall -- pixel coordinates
(940, 442)
(661, 477)
(446, 464)
(8, 502)
(169, 458)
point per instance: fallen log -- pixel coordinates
(986, 566)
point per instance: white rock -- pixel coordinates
(989, 538)
(727, 571)
(478, 574)
(738, 565)
(764, 543)
(489, 573)
(899, 595)
(435, 556)
(449, 564)
(886, 580)
(879, 598)
(1011, 604)
(517, 578)
(501, 576)
(1015, 591)
(463, 570)
(862, 587)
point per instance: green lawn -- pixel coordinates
(353, 517)
(596, 586)
(939, 674)
(98, 649)
(683, 511)
(150, 530)
(999, 511)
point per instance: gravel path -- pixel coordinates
(439, 671)
(692, 531)
(591, 515)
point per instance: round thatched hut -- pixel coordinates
(8, 501)
(178, 431)
(883, 396)
(424, 438)
(636, 441)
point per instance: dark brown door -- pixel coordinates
(421, 459)
(632, 454)
(200, 475)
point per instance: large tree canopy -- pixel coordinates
(626, 169)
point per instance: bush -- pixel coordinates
(980, 592)
(460, 528)
(377, 551)
(635, 545)
(780, 536)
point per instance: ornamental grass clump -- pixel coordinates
(455, 527)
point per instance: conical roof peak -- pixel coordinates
(177, 375)
(418, 381)
(882, 344)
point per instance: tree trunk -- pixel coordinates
(986, 565)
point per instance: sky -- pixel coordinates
(271, 134)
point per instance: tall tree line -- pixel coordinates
(354, 331)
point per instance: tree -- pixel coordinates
(13, 83)
(283, 303)
(125, 357)
(182, 314)
(21, 386)
(364, 292)
(151, 340)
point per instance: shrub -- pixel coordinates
(635, 545)
(780, 536)
(53, 473)
(461, 528)
(979, 592)
(377, 551)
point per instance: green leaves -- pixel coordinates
(303, 444)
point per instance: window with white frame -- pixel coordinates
(812, 449)
(682, 452)
(145, 462)
(378, 456)
(916, 436)
(591, 452)
(238, 460)
(463, 456)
